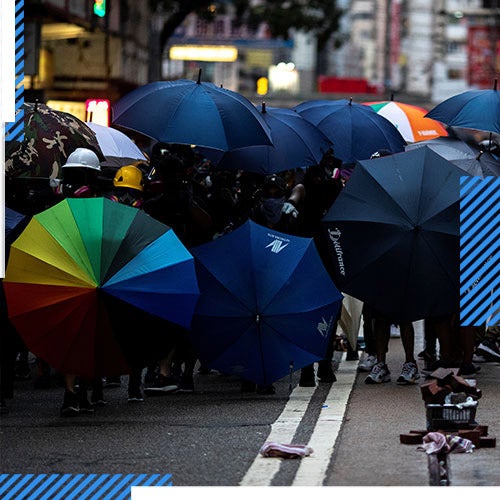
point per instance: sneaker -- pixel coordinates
(135, 395)
(477, 358)
(367, 364)
(70, 406)
(163, 385)
(395, 333)
(409, 374)
(489, 350)
(379, 374)
(111, 382)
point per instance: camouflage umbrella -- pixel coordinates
(50, 136)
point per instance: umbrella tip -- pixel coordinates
(199, 76)
(264, 107)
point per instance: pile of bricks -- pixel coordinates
(446, 386)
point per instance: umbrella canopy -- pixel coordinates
(189, 112)
(475, 109)
(12, 221)
(465, 156)
(50, 136)
(409, 120)
(297, 143)
(356, 131)
(117, 147)
(394, 235)
(266, 303)
(78, 256)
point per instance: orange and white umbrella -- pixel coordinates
(409, 120)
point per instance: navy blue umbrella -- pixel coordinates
(189, 112)
(296, 143)
(394, 235)
(475, 109)
(357, 131)
(465, 156)
(267, 304)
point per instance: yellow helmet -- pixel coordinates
(129, 176)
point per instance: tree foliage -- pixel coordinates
(320, 17)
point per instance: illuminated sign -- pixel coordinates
(100, 8)
(211, 53)
(97, 111)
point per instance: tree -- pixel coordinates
(320, 17)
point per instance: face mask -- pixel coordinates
(271, 209)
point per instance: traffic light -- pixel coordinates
(100, 8)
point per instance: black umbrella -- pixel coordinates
(394, 235)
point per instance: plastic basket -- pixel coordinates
(449, 417)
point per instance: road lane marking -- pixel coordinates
(312, 470)
(263, 470)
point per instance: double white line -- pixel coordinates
(313, 469)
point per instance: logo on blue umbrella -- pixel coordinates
(278, 243)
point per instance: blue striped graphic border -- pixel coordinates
(76, 486)
(15, 130)
(479, 251)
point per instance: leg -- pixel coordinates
(409, 373)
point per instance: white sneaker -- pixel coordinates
(379, 374)
(367, 364)
(395, 333)
(409, 374)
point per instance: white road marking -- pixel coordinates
(312, 469)
(263, 470)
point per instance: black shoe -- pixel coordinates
(247, 386)
(307, 377)
(4, 409)
(135, 395)
(265, 389)
(326, 374)
(70, 406)
(186, 384)
(352, 356)
(97, 397)
(467, 369)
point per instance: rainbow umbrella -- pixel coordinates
(84, 261)
(409, 120)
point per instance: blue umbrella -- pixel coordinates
(297, 143)
(465, 156)
(475, 109)
(12, 220)
(357, 131)
(266, 303)
(189, 112)
(394, 235)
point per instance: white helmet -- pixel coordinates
(83, 157)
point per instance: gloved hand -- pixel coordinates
(289, 209)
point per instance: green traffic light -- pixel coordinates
(100, 8)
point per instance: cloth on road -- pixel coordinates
(273, 449)
(436, 442)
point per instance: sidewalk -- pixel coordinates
(369, 452)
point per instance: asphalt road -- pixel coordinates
(212, 437)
